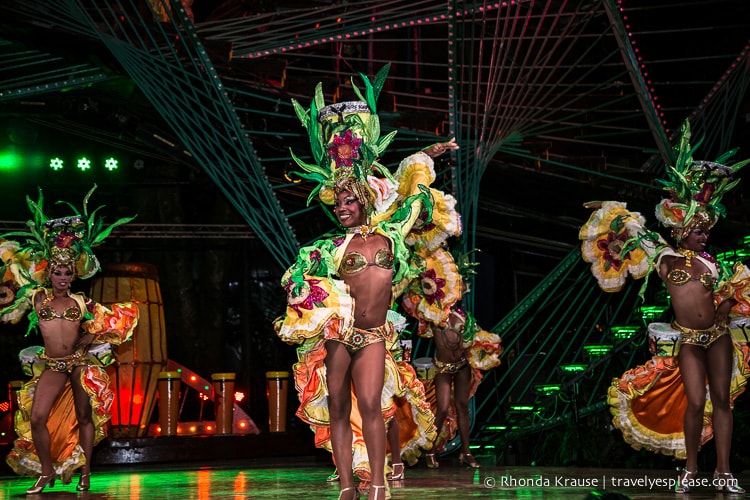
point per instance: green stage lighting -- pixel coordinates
(56, 164)
(84, 163)
(10, 160)
(110, 164)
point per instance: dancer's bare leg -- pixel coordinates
(461, 387)
(719, 356)
(82, 403)
(368, 371)
(48, 389)
(338, 378)
(692, 361)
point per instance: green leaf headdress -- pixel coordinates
(67, 241)
(345, 142)
(695, 188)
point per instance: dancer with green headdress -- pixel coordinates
(64, 408)
(341, 288)
(684, 395)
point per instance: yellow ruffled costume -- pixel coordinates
(112, 327)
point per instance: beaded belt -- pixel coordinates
(358, 338)
(64, 364)
(703, 338)
(443, 367)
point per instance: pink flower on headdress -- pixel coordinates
(308, 298)
(315, 256)
(705, 194)
(432, 286)
(344, 149)
(65, 240)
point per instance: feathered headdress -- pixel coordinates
(49, 243)
(68, 240)
(695, 188)
(345, 142)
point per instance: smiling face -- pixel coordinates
(696, 239)
(348, 210)
(60, 277)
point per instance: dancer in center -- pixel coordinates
(341, 288)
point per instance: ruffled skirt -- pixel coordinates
(67, 454)
(648, 403)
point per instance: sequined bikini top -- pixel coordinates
(681, 276)
(355, 262)
(48, 313)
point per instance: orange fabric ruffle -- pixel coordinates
(648, 403)
(403, 398)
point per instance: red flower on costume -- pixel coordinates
(432, 286)
(309, 296)
(611, 248)
(344, 149)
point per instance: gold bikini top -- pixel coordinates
(48, 313)
(681, 276)
(355, 262)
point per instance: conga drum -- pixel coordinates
(135, 374)
(663, 340)
(425, 369)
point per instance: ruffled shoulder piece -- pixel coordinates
(617, 244)
(737, 287)
(16, 285)
(313, 260)
(115, 325)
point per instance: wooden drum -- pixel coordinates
(135, 374)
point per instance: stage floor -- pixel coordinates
(304, 477)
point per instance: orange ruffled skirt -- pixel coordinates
(403, 398)
(67, 454)
(648, 403)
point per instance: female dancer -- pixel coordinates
(453, 384)
(706, 350)
(702, 294)
(340, 289)
(52, 440)
(462, 348)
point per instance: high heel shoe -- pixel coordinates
(377, 491)
(725, 482)
(84, 482)
(343, 492)
(333, 477)
(42, 483)
(430, 460)
(396, 476)
(685, 481)
(468, 459)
